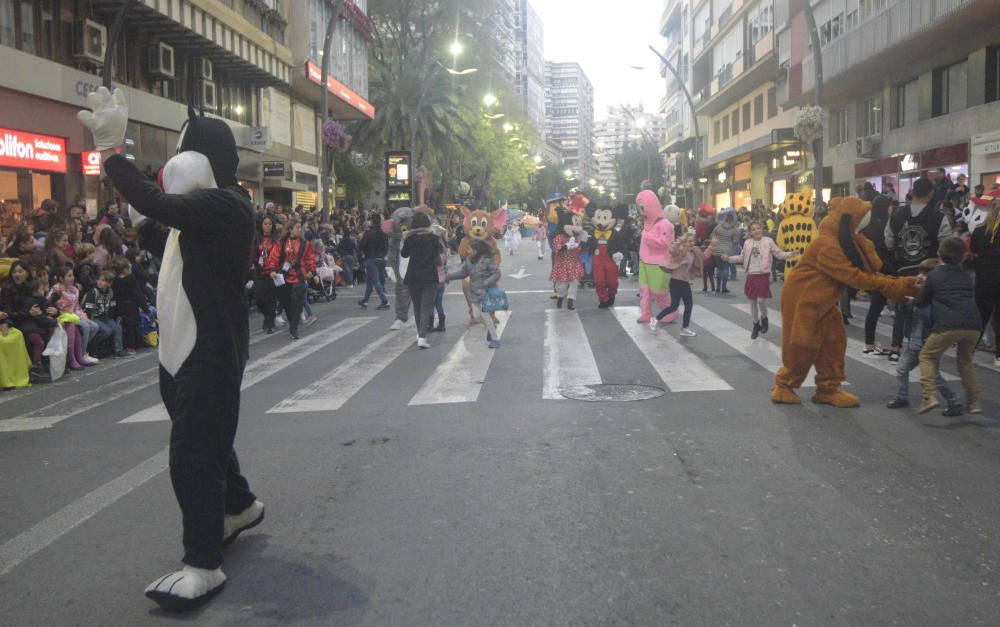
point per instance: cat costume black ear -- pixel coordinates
(214, 139)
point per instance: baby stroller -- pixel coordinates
(324, 283)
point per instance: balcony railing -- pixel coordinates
(903, 20)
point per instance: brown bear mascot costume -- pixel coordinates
(813, 331)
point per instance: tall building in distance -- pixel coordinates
(530, 63)
(505, 39)
(624, 125)
(569, 116)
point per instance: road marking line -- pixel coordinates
(55, 412)
(765, 353)
(459, 378)
(336, 388)
(568, 357)
(266, 365)
(680, 369)
(38, 536)
(854, 348)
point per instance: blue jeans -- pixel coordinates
(588, 263)
(910, 359)
(306, 307)
(439, 302)
(348, 263)
(373, 281)
(110, 328)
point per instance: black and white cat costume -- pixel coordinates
(202, 226)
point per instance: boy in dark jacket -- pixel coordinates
(920, 324)
(99, 304)
(129, 299)
(950, 292)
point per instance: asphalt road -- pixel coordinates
(442, 487)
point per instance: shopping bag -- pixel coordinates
(55, 350)
(148, 330)
(494, 299)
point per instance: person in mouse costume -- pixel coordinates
(812, 331)
(480, 225)
(654, 252)
(608, 249)
(567, 270)
(202, 226)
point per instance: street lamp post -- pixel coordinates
(326, 172)
(694, 116)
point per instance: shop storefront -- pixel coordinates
(985, 162)
(902, 170)
(782, 171)
(32, 168)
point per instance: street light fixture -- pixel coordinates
(592, 182)
(568, 172)
(507, 127)
(489, 100)
(456, 48)
(537, 158)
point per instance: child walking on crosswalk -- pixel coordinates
(483, 272)
(686, 263)
(756, 257)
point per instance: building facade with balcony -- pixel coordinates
(748, 155)
(677, 142)
(231, 59)
(623, 125)
(569, 116)
(909, 86)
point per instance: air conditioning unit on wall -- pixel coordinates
(205, 69)
(207, 95)
(90, 41)
(869, 147)
(160, 61)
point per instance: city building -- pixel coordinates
(569, 116)
(232, 59)
(748, 153)
(677, 144)
(504, 30)
(530, 63)
(624, 125)
(909, 86)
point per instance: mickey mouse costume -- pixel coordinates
(203, 230)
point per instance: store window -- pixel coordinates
(949, 86)
(906, 105)
(870, 116)
(993, 74)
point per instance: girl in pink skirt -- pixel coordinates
(756, 257)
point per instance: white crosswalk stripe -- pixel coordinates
(761, 351)
(330, 392)
(568, 357)
(460, 376)
(680, 369)
(263, 367)
(854, 348)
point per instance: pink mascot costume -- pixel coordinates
(654, 250)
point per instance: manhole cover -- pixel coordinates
(612, 392)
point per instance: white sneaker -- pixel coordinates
(652, 324)
(233, 526)
(423, 343)
(87, 359)
(280, 321)
(397, 325)
(311, 321)
(186, 589)
(687, 333)
(996, 362)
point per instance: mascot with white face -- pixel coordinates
(607, 247)
(202, 226)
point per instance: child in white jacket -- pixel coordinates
(756, 257)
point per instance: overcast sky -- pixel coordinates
(606, 38)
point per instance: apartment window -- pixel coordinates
(716, 132)
(758, 109)
(702, 21)
(870, 117)
(871, 7)
(905, 105)
(746, 116)
(736, 122)
(725, 129)
(772, 103)
(950, 86)
(759, 22)
(838, 127)
(993, 74)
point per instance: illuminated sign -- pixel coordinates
(32, 152)
(908, 163)
(91, 162)
(397, 169)
(338, 89)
